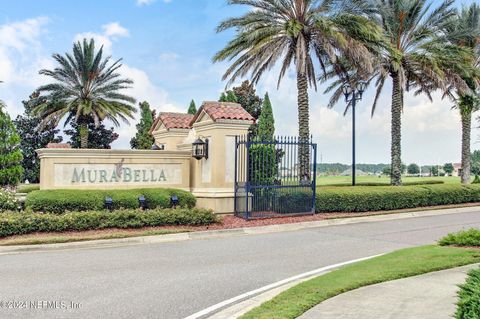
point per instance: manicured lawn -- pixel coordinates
(333, 180)
(400, 264)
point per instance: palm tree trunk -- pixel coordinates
(83, 132)
(303, 127)
(466, 132)
(396, 150)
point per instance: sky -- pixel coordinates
(167, 48)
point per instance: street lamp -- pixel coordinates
(353, 94)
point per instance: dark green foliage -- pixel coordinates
(387, 170)
(468, 306)
(250, 101)
(33, 139)
(434, 170)
(11, 170)
(413, 169)
(266, 122)
(475, 167)
(263, 164)
(228, 97)
(143, 140)
(476, 180)
(468, 238)
(365, 198)
(448, 168)
(61, 201)
(28, 222)
(288, 202)
(192, 109)
(98, 137)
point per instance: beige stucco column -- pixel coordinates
(213, 179)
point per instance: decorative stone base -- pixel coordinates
(220, 200)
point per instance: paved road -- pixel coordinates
(174, 280)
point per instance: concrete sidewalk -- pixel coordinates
(427, 296)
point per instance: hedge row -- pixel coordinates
(365, 198)
(61, 201)
(410, 183)
(468, 306)
(468, 238)
(18, 223)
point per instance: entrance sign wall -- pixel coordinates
(210, 180)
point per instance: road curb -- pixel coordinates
(232, 232)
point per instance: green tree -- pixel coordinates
(413, 169)
(418, 58)
(448, 168)
(464, 31)
(98, 136)
(192, 109)
(296, 32)
(475, 162)
(228, 96)
(250, 101)
(266, 122)
(143, 140)
(434, 170)
(32, 139)
(87, 89)
(11, 170)
(387, 171)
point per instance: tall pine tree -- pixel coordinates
(266, 122)
(11, 170)
(192, 109)
(143, 140)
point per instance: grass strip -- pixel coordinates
(399, 264)
(60, 238)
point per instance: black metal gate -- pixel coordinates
(274, 178)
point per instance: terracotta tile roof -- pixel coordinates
(173, 120)
(58, 145)
(224, 110)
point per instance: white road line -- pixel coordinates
(224, 304)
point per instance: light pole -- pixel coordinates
(353, 94)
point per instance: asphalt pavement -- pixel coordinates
(175, 279)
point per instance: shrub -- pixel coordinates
(27, 188)
(411, 183)
(469, 238)
(296, 202)
(476, 180)
(61, 201)
(468, 306)
(364, 198)
(12, 223)
(7, 201)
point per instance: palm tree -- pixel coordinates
(86, 89)
(412, 28)
(464, 31)
(298, 32)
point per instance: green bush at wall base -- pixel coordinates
(367, 198)
(61, 201)
(468, 306)
(27, 188)
(19, 223)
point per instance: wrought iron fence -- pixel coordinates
(274, 177)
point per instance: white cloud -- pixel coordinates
(21, 56)
(114, 29)
(100, 40)
(144, 2)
